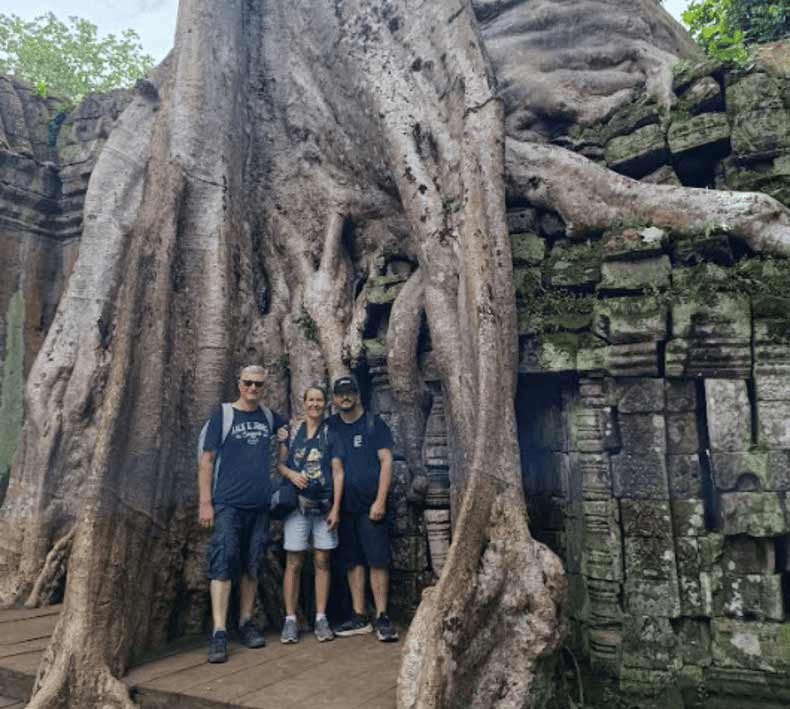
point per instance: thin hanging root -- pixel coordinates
(402, 335)
(590, 197)
(52, 572)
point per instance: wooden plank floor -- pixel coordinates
(344, 674)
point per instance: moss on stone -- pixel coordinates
(574, 266)
(12, 376)
(527, 248)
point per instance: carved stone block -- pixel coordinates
(682, 434)
(685, 476)
(774, 423)
(750, 596)
(729, 415)
(639, 153)
(639, 470)
(638, 396)
(620, 320)
(758, 514)
(751, 645)
(635, 275)
(688, 518)
(646, 518)
(744, 555)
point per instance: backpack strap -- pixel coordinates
(322, 438)
(227, 421)
(267, 412)
(370, 422)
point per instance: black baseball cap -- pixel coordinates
(345, 383)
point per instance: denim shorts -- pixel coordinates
(363, 541)
(299, 527)
(238, 543)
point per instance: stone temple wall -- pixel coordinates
(654, 410)
(46, 158)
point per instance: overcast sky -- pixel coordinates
(154, 20)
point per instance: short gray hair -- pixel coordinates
(252, 369)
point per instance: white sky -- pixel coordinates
(153, 20)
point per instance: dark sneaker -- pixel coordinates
(355, 625)
(384, 630)
(218, 647)
(290, 632)
(250, 636)
(323, 632)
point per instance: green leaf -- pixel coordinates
(68, 59)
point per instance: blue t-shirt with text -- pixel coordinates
(246, 457)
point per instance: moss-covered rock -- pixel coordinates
(622, 320)
(630, 244)
(703, 96)
(706, 130)
(573, 266)
(685, 73)
(742, 644)
(13, 382)
(384, 289)
(704, 248)
(528, 249)
(638, 114)
(771, 177)
(527, 281)
(555, 352)
(635, 275)
(761, 134)
(639, 153)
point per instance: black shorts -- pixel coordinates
(363, 541)
(238, 543)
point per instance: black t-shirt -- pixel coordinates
(245, 463)
(313, 457)
(361, 462)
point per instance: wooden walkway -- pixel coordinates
(347, 673)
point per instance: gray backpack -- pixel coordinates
(227, 422)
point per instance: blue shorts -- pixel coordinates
(238, 543)
(299, 528)
(363, 541)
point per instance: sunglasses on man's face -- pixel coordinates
(257, 383)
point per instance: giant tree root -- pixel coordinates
(590, 198)
(497, 643)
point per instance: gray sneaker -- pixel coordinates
(323, 632)
(290, 632)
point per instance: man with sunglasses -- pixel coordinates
(234, 502)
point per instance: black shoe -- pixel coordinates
(355, 625)
(250, 636)
(218, 647)
(384, 630)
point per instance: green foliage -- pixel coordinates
(307, 325)
(724, 28)
(766, 280)
(69, 60)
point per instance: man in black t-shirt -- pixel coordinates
(364, 531)
(234, 501)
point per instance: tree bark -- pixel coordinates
(237, 214)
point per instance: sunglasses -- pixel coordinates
(257, 383)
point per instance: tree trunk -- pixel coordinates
(280, 156)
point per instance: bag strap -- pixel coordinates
(227, 421)
(267, 412)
